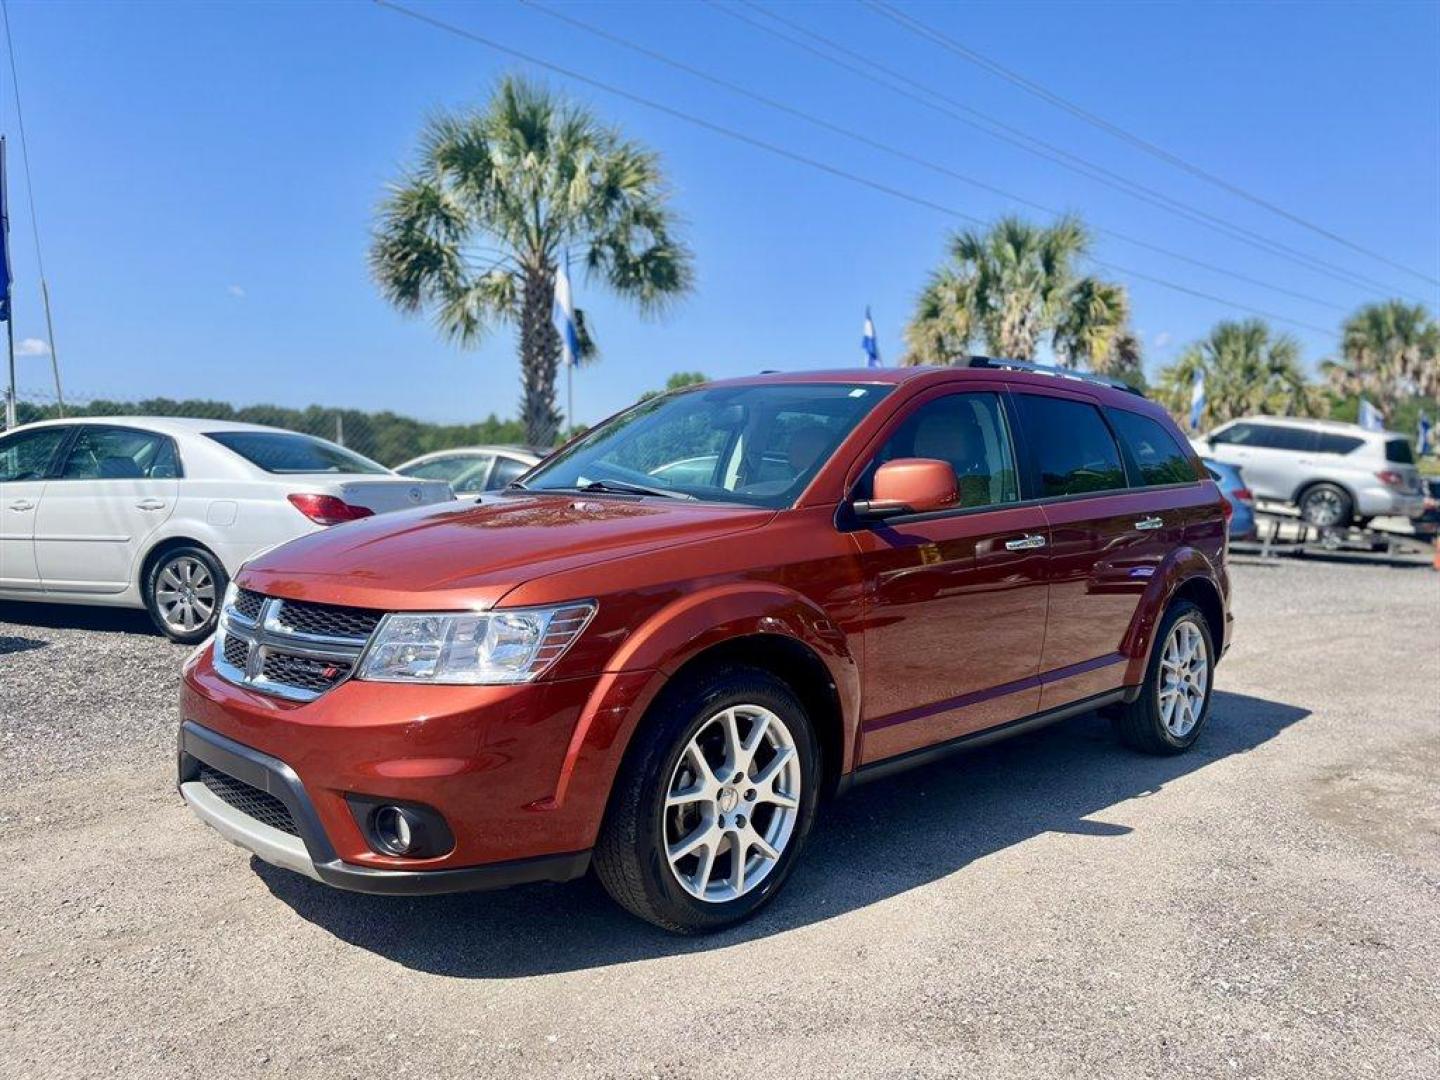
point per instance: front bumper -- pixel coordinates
(310, 852)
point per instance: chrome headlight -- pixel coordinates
(506, 646)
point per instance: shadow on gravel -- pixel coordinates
(881, 840)
(78, 617)
(20, 644)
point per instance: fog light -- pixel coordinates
(394, 829)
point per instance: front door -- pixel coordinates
(116, 487)
(25, 461)
(955, 601)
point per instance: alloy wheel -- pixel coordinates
(185, 593)
(1322, 508)
(1184, 678)
(732, 803)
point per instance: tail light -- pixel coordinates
(1227, 508)
(327, 509)
(1244, 495)
(1391, 478)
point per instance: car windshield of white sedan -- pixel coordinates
(287, 452)
(754, 445)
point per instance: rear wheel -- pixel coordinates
(183, 591)
(714, 803)
(1327, 506)
(1174, 703)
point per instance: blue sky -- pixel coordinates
(206, 177)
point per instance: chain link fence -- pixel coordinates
(386, 437)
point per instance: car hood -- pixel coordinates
(466, 555)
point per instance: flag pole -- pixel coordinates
(10, 390)
(6, 299)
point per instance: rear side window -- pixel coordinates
(1074, 451)
(287, 452)
(1330, 443)
(120, 454)
(26, 455)
(1157, 456)
(1398, 451)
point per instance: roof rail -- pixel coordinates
(1057, 372)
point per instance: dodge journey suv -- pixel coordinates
(656, 652)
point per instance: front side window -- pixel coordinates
(966, 431)
(506, 470)
(120, 454)
(288, 452)
(755, 445)
(26, 455)
(1074, 451)
(1156, 454)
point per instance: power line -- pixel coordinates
(920, 29)
(866, 68)
(34, 220)
(780, 151)
(905, 155)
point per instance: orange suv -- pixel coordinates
(656, 652)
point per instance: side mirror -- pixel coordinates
(910, 486)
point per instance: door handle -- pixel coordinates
(1149, 523)
(22, 505)
(1025, 543)
(151, 504)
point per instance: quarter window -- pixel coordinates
(26, 455)
(1074, 452)
(968, 432)
(120, 454)
(1399, 452)
(1156, 454)
(506, 469)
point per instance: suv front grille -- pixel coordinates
(250, 801)
(290, 648)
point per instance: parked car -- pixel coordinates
(1336, 474)
(160, 513)
(1428, 523)
(1241, 499)
(661, 678)
(473, 469)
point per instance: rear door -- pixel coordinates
(955, 600)
(26, 460)
(116, 486)
(1102, 550)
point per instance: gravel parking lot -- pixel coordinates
(1266, 906)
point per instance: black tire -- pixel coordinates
(1322, 502)
(1140, 724)
(630, 856)
(152, 586)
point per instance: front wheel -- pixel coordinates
(183, 591)
(713, 804)
(1174, 703)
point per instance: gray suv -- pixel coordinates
(1336, 474)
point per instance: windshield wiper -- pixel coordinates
(624, 487)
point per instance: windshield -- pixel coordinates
(754, 445)
(287, 452)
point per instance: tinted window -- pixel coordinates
(967, 431)
(1153, 449)
(25, 455)
(766, 442)
(447, 468)
(287, 452)
(506, 469)
(1398, 451)
(1073, 449)
(1239, 434)
(1327, 443)
(119, 454)
(1269, 436)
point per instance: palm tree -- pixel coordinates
(1123, 360)
(1092, 319)
(1391, 351)
(1008, 287)
(475, 231)
(1248, 370)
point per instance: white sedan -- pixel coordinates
(473, 469)
(159, 513)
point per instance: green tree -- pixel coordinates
(1249, 370)
(475, 231)
(677, 381)
(1390, 352)
(1008, 287)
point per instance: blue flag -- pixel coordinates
(868, 342)
(569, 336)
(1422, 434)
(1197, 399)
(6, 279)
(1371, 418)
